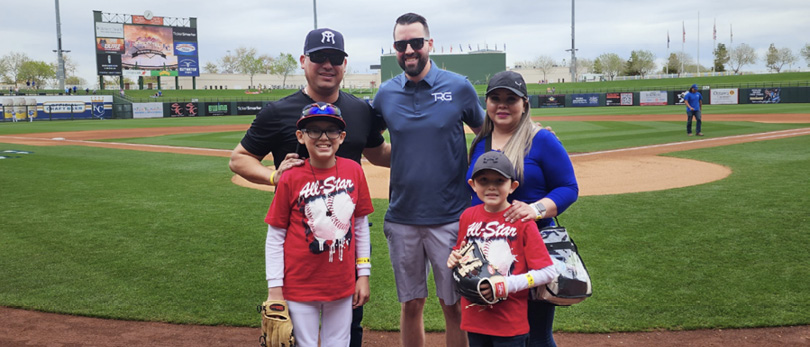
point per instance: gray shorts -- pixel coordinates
(413, 248)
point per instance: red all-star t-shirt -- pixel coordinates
(317, 207)
(512, 249)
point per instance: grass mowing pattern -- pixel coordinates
(166, 237)
(730, 253)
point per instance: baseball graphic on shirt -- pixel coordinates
(499, 255)
(342, 209)
(329, 218)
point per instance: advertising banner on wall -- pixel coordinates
(180, 109)
(109, 45)
(248, 108)
(58, 107)
(142, 20)
(551, 100)
(188, 66)
(217, 109)
(764, 96)
(115, 30)
(585, 100)
(147, 110)
(730, 96)
(184, 34)
(677, 96)
(652, 98)
(619, 99)
(108, 64)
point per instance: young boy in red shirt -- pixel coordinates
(515, 250)
(318, 234)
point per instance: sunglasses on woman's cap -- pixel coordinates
(416, 44)
(321, 57)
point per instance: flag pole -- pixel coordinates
(683, 27)
(698, 46)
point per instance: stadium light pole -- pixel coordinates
(573, 47)
(60, 70)
(315, 13)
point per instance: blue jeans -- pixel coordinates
(481, 340)
(541, 321)
(689, 115)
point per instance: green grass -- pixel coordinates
(730, 253)
(9, 128)
(166, 237)
(683, 83)
(708, 110)
(576, 136)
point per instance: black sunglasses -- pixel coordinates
(321, 57)
(416, 44)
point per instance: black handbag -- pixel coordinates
(573, 283)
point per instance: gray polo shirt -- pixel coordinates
(428, 145)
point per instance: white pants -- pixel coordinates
(333, 317)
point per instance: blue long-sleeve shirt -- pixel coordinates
(547, 173)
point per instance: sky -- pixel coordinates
(525, 29)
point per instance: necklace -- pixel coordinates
(321, 186)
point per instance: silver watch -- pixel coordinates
(539, 209)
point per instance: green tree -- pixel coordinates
(611, 64)
(584, 65)
(75, 81)
(673, 65)
(283, 66)
(13, 63)
(544, 63)
(597, 66)
(249, 62)
(641, 62)
(806, 53)
(776, 58)
(39, 72)
(721, 58)
(210, 67)
(742, 55)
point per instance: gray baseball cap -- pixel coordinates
(510, 80)
(323, 38)
(496, 161)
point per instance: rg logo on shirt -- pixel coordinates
(445, 96)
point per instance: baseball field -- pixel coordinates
(141, 220)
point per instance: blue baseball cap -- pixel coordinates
(323, 38)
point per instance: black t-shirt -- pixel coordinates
(274, 128)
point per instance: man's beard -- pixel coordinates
(416, 70)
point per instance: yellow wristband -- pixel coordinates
(273, 178)
(530, 279)
(363, 261)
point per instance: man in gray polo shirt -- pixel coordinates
(425, 109)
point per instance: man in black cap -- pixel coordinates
(273, 130)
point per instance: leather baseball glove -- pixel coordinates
(277, 328)
(476, 279)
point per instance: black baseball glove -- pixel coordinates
(476, 279)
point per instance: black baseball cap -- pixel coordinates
(323, 38)
(496, 161)
(321, 111)
(510, 80)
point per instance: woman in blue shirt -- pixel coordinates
(542, 166)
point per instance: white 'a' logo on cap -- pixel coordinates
(328, 36)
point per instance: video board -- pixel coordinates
(132, 45)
